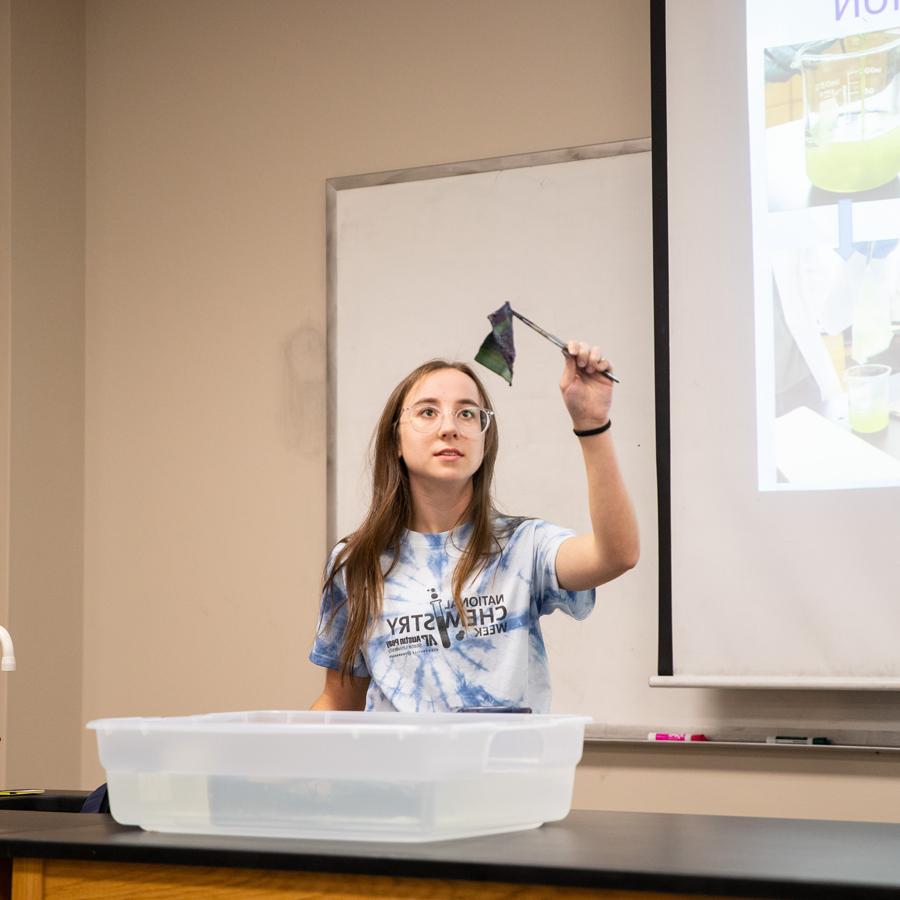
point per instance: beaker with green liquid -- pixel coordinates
(868, 392)
(851, 95)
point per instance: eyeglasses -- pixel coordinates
(470, 421)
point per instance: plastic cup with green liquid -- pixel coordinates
(867, 397)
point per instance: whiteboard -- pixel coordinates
(417, 260)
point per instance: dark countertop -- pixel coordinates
(638, 851)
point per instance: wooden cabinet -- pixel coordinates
(55, 879)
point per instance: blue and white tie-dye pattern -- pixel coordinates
(422, 658)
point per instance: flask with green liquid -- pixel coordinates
(851, 93)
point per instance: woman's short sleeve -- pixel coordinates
(548, 595)
(331, 627)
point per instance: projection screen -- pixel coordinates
(781, 142)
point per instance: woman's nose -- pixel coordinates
(448, 423)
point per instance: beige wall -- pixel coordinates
(784, 782)
(5, 291)
(42, 385)
(211, 128)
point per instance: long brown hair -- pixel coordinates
(390, 514)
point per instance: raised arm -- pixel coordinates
(613, 546)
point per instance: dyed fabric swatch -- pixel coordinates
(498, 351)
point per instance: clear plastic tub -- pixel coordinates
(357, 776)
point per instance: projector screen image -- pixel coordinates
(783, 202)
(823, 91)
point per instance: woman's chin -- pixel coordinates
(444, 473)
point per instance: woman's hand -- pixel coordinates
(586, 393)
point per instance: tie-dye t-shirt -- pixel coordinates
(421, 658)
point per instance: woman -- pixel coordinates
(434, 602)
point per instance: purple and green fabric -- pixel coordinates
(497, 351)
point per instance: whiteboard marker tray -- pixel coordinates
(377, 776)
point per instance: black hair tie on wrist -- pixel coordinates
(590, 432)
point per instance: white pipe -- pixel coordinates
(8, 662)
